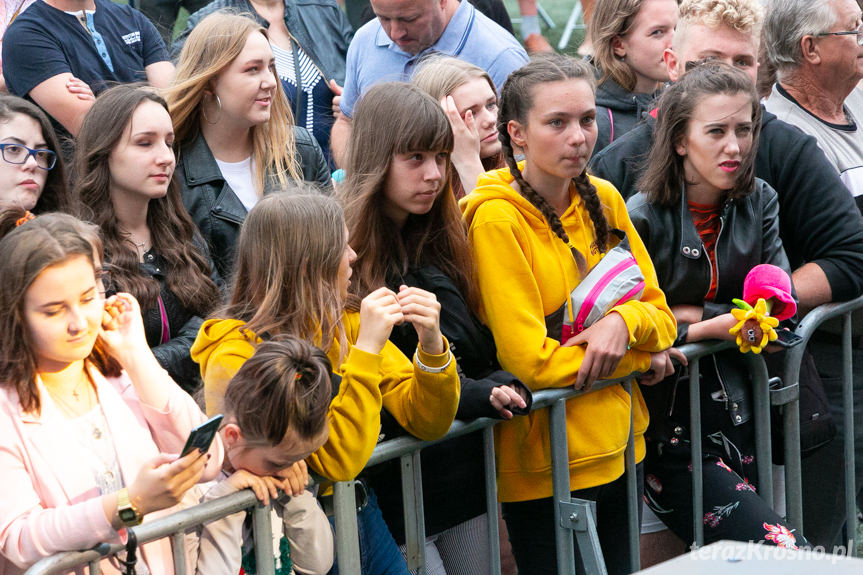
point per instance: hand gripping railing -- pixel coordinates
(174, 526)
(791, 414)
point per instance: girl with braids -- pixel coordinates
(126, 185)
(406, 229)
(469, 98)
(535, 229)
(707, 221)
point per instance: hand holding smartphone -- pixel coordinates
(201, 437)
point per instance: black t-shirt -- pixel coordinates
(43, 42)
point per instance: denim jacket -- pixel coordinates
(319, 26)
(748, 236)
(213, 205)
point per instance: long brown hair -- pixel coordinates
(286, 275)
(55, 195)
(25, 252)
(515, 104)
(440, 76)
(285, 386)
(210, 48)
(664, 177)
(171, 227)
(613, 18)
(397, 118)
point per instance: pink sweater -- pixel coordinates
(49, 501)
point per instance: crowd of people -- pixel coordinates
(334, 237)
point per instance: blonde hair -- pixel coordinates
(211, 47)
(288, 257)
(745, 16)
(439, 76)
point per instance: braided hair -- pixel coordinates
(515, 103)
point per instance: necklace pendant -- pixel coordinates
(75, 395)
(97, 433)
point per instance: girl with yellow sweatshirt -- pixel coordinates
(535, 228)
(293, 271)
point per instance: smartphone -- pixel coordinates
(202, 436)
(787, 338)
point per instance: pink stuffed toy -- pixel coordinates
(766, 300)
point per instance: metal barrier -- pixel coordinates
(791, 415)
(571, 515)
(174, 526)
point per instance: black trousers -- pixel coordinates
(531, 528)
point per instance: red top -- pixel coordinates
(706, 220)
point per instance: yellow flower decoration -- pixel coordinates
(754, 328)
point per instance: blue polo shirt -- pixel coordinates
(470, 35)
(44, 42)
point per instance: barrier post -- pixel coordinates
(178, 544)
(412, 499)
(763, 449)
(570, 514)
(491, 499)
(347, 535)
(564, 543)
(848, 413)
(633, 502)
(263, 529)
(695, 442)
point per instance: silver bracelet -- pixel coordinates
(428, 369)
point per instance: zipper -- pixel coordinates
(725, 208)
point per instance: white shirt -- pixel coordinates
(239, 177)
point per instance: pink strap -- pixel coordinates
(166, 327)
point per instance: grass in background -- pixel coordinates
(559, 11)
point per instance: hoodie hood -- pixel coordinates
(496, 185)
(612, 95)
(222, 346)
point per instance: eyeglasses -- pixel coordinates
(18, 154)
(858, 32)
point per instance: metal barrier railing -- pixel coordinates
(791, 415)
(174, 526)
(571, 515)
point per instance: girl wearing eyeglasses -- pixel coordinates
(31, 176)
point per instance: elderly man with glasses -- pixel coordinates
(817, 49)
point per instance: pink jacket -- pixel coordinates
(48, 500)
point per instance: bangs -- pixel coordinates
(424, 129)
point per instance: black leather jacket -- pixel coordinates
(319, 26)
(213, 205)
(748, 236)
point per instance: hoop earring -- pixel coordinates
(204, 109)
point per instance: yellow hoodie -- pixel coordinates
(423, 403)
(525, 273)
